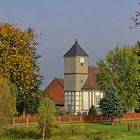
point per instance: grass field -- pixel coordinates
(82, 131)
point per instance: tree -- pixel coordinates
(136, 51)
(46, 117)
(92, 110)
(18, 62)
(7, 102)
(110, 103)
(120, 68)
(136, 18)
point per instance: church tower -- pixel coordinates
(75, 75)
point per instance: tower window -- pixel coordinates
(81, 81)
(81, 64)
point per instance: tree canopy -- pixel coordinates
(18, 61)
(120, 67)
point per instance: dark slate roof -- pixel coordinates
(76, 50)
(90, 83)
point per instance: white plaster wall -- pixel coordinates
(85, 101)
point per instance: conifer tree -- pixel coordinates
(110, 103)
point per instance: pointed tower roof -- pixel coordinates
(75, 50)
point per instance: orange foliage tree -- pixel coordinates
(18, 63)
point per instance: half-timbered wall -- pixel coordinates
(81, 101)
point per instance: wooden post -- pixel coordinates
(70, 118)
(27, 120)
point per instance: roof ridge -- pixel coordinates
(75, 50)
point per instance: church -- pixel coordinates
(79, 88)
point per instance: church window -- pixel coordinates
(77, 98)
(72, 97)
(69, 102)
(72, 102)
(77, 103)
(65, 97)
(97, 100)
(65, 102)
(69, 97)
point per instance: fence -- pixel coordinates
(24, 120)
(133, 126)
(28, 120)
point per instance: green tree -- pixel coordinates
(136, 51)
(120, 68)
(7, 102)
(110, 103)
(18, 62)
(46, 117)
(92, 110)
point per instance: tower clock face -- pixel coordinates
(81, 59)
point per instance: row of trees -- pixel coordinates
(119, 78)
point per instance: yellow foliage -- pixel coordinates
(17, 62)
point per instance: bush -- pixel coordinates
(22, 133)
(92, 111)
(73, 132)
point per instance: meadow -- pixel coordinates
(75, 131)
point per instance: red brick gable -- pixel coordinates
(56, 90)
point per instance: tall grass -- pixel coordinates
(84, 131)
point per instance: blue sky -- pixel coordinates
(99, 25)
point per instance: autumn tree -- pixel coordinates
(46, 117)
(7, 102)
(120, 68)
(18, 63)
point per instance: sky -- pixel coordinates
(99, 26)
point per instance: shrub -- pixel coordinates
(92, 111)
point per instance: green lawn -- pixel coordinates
(116, 132)
(77, 131)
